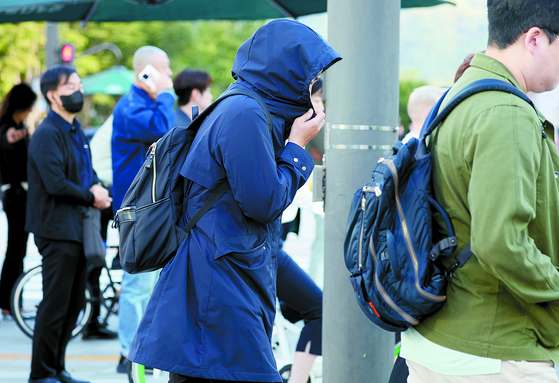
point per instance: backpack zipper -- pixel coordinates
(366, 189)
(152, 147)
(363, 204)
(438, 298)
(387, 299)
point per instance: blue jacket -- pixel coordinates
(212, 311)
(138, 122)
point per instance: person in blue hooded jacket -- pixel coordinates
(211, 314)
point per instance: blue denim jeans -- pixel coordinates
(134, 297)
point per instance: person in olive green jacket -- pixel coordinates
(496, 170)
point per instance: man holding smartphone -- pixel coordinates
(141, 117)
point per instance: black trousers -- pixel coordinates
(300, 298)
(400, 371)
(15, 206)
(64, 278)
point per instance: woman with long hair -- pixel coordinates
(14, 141)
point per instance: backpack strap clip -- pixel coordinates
(459, 261)
(442, 246)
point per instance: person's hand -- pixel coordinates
(163, 82)
(13, 135)
(304, 130)
(102, 199)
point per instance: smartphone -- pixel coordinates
(148, 75)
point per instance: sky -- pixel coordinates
(434, 40)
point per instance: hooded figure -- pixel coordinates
(212, 311)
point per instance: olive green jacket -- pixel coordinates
(495, 170)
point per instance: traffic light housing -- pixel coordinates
(67, 53)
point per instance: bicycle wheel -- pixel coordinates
(27, 294)
(109, 296)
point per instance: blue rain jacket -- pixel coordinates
(138, 122)
(212, 311)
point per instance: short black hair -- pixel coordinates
(55, 76)
(508, 19)
(19, 99)
(188, 80)
(316, 86)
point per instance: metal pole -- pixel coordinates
(52, 53)
(362, 120)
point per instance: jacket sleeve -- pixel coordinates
(149, 124)
(47, 150)
(505, 154)
(262, 184)
(4, 144)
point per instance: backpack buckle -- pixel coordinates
(450, 271)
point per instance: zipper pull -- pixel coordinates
(149, 161)
(150, 155)
(363, 202)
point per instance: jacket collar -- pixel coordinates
(142, 94)
(62, 123)
(489, 64)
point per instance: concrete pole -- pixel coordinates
(362, 120)
(52, 53)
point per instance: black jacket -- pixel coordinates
(13, 157)
(55, 200)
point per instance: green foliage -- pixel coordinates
(407, 85)
(205, 45)
(21, 53)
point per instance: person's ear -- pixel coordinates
(50, 96)
(532, 39)
(196, 95)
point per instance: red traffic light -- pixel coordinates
(67, 53)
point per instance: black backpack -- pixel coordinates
(153, 205)
(392, 247)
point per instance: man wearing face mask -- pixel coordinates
(62, 183)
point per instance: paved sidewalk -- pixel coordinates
(93, 360)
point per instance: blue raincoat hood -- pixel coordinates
(282, 73)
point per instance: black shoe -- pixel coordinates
(98, 332)
(124, 365)
(65, 377)
(44, 380)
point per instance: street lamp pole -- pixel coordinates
(362, 123)
(52, 46)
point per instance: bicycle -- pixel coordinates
(27, 294)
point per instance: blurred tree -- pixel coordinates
(21, 53)
(205, 45)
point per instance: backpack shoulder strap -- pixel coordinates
(231, 92)
(435, 117)
(198, 120)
